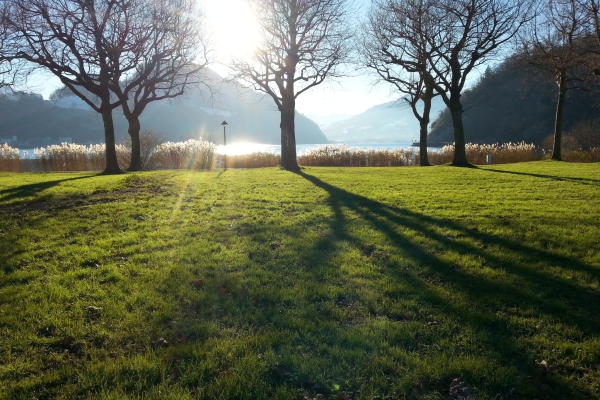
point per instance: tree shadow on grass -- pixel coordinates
(584, 181)
(33, 189)
(532, 289)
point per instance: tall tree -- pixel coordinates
(303, 42)
(169, 55)
(83, 43)
(467, 34)
(394, 46)
(556, 42)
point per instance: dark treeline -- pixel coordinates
(515, 102)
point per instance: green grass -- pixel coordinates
(366, 283)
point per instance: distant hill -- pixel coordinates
(391, 122)
(251, 116)
(37, 122)
(514, 103)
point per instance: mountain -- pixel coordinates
(326, 119)
(391, 122)
(514, 103)
(252, 117)
(27, 120)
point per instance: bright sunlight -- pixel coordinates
(235, 31)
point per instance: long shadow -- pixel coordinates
(538, 291)
(33, 189)
(585, 181)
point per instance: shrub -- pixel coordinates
(586, 134)
(149, 142)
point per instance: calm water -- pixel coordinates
(246, 148)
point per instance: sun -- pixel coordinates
(233, 28)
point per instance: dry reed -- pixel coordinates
(345, 156)
(10, 159)
(192, 154)
(73, 157)
(254, 160)
(582, 156)
(501, 153)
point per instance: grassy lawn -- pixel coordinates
(329, 284)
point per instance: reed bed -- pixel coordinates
(10, 159)
(191, 154)
(201, 155)
(254, 160)
(501, 153)
(345, 156)
(582, 156)
(73, 157)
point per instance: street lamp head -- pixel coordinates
(224, 123)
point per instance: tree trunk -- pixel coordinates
(560, 105)
(423, 158)
(460, 153)
(134, 132)
(424, 123)
(288, 135)
(112, 165)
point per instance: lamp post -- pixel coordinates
(224, 124)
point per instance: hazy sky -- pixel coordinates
(234, 33)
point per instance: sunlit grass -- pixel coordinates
(370, 283)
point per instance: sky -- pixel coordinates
(233, 32)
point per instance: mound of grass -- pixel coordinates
(333, 283)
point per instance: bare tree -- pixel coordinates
(169, 55)
(394, 46)
(79, 41)
(467, 34)
(556, 42)
(303, 43)
(9, 69)
(593, 7)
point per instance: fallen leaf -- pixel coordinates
(543, 364)
(46, 331)
(369, 250)
(160, 342)
(93, 311)
(342, 396)
(244, 291)
(90, 264)
(67, 341)
(174, 375)
(460, 390)
(222, 291)
(198, 283)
